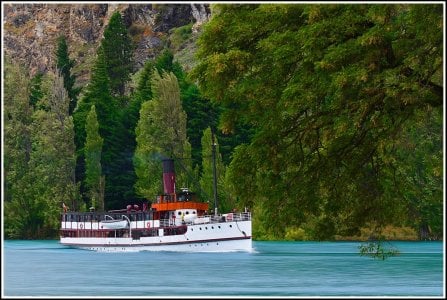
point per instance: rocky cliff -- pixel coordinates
(30, 31)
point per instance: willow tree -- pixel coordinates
(328, 89)
(160, 133)
(92, 151)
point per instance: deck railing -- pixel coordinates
(209, 219)
(75, 221)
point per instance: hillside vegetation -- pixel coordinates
(328, 120)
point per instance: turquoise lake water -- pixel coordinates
(278, 269)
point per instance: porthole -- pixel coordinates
(179, 213)
(194, 212)
(206, 228)
(231, 225)
(187, 212)
(218, 226)
(200, 228)
(212, 227)
(192, 229)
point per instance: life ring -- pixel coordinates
(81, 226)
(148, 225)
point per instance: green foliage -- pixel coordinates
(118, 48)
(47, 173)
(92, 153)
(17, 141)
(64, 65)
(296, 234)
(179, 35)
(97, 93)
(225, 203)
(329, 116)
(416, 161)
(165, 63)
(111, 130)
(160, 132)
(36, 89)
(328, 91)
(377, 250)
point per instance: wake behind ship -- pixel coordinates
(176, 221)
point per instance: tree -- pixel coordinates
(111, 130)
(17, 145)
(36, 89)
(92, 153)
(64, 65)
(52, 163)
(334, 96)
(98, 94)
(118, 53)
(47, 178)
(160, 132)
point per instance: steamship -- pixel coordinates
(176, 221)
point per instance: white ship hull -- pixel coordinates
(207, 237)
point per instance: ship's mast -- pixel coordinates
(214, 172)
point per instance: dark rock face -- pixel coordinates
(90, 21)
(20, 20)
(174, 15)
(31, 31)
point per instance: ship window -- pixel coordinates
(194, 212)
(231, 225)
(212, 227)
(179, 213)
(187, 212)
(200, 228)
(206, 228)
(218, 226)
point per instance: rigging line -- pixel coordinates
(241, 231)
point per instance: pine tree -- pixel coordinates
(64, 65)
(92, 153)
(117, 47)
(98, 94)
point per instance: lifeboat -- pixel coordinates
(113, 224)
